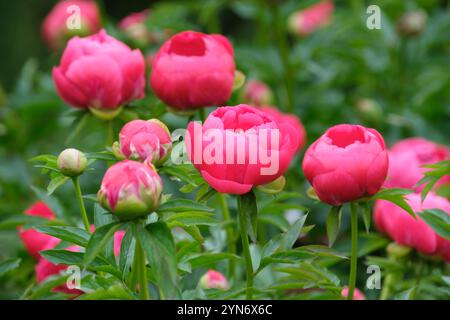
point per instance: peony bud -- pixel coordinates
(357, 294)
(257, 93)
(348, 162)
(33, 240)
(193, 70)
(72, 162)
(306, 21)
(60, 24)
(213, 280)
(134, 27)
(144, 141)
(130, 190)
(412, 23)
(101, 74)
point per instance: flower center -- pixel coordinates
(188, 44)
(345, 135)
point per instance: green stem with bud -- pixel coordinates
(354, 252)
(229, 230)
(79, 195)
(246, 249)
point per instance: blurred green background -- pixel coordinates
(344, 73)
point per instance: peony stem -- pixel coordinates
(229, 229)
(202, 114)
(354, 254)
(246, 249)
(141, 270)
(110, 133)
(79, 196)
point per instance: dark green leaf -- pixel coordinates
(333, 224)
(291, 236)
(438, 220)
(73, 235)
(247, 204)
(98, 240)
(8, 265)
(181, 205)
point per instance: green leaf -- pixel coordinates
(56, 182)
(397, 197)
(177, 172)
(438, 220)
(73, 235)
(101, 216)
(291, 236)
(115, 292)
(190, 218)
(333, 224)
(181, 205)
(247, 204)
(99, 239)
(366, 213)
(8, 265)
(159, 247)
(198, 260)
(127, 248)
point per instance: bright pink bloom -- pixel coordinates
(316, 16)
(346, 163)
(33, 240)
(99, 72)
(357, 294)
(288, 121)
(213, 280)
(130, 190)
(257, 93)
(55, 28)
(193, 70)
(407, 158)
(240, 147)
(45, 269)
(145, 140)
(407, 231)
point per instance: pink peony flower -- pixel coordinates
(145, 140)
(100, 73)
(45, 269)
(287, 122)
(130, 190)
(213, 280)
(346, 163)
(57, 29)
(240, 147)
(407, 231)
(33, 240)
(357, 294)
(257, 93)
(407, 158)
(312, 18)
(193, 70)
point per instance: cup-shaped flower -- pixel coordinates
(72, 162)
(257, 93)
(145, 141)
(193, 70)
(290, 121)
(240, 147)
(213, 280)
(100, 73)
(33, 240)
(346, 163)
(407, 158)
(306, 21)
(130, 190)
(407, 231)
(70, 18)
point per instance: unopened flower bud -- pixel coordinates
(72, 162)
(142, 140)
(412, 23)
(130, 190)
(257, 93)
(213, 280)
